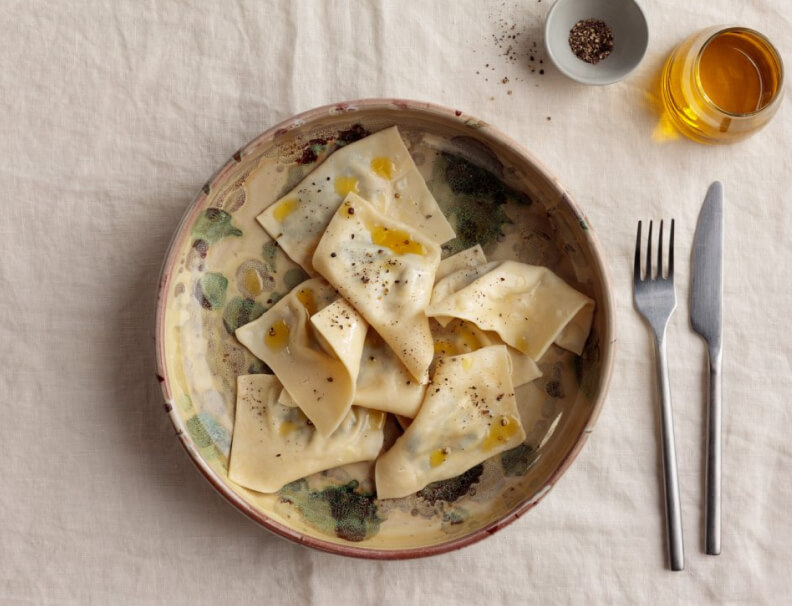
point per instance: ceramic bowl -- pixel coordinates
(496, 194)
(630, 38)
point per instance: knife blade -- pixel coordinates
(706, 318)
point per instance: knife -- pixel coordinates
(706, 317)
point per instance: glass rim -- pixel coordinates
(767, 43)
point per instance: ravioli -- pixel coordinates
(454, 282)
(275, 444)
(527, 305)
(341, 330)
(313, 344)
(381, 314)
(574, 335)
(384, 383)
(465, 259)
(381, 170)
(469, 415)
(459, 337)
(385, 269)
(285, 399)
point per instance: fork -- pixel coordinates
(655, 299)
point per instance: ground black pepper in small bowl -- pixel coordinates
(596, 41)
(591, 40)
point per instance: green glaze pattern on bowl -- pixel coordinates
(223, 271)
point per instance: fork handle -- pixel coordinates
(673, 509)
(712, 518)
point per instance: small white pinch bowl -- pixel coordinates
(630, 38)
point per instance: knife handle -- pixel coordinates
(712, 532)
(673, 507)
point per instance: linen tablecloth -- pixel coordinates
(112, 116)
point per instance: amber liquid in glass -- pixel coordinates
(717, 86)
(738, 73)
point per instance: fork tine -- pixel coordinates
(660, 253)
(637, 271)
(649, 253)
(671, 252)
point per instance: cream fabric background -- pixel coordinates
(112, 116)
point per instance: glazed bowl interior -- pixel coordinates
(495, 194)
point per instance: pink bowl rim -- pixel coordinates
(608, 340)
